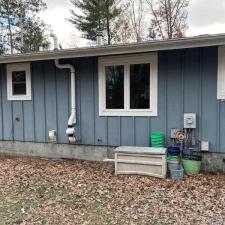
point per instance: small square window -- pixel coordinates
(18, 81)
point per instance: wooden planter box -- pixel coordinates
(141, 161)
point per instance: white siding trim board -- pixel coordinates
(221, 73)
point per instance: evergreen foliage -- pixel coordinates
(91, 16)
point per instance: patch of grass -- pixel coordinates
(10, 211)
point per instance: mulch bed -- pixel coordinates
(38, 191)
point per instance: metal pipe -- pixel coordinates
(99, 38)
(72, 119)
(55, 39)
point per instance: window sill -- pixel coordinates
(138, 113)
(20, 98)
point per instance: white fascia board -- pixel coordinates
(151, 46)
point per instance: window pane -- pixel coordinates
(19, 82)
(19, 76)
(114, 87)
(19, 89)
(139, 86)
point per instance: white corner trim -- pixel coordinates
(126, 60)
(19, 67)
(221, 73)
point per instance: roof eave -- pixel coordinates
(118, 49)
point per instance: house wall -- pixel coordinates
(187, 83)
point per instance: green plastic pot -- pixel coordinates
(173, 157)
(157, 139)
(191, 167)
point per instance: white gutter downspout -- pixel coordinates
(72, 119)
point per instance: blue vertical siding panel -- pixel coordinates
(141, 131)
(158, 123)
(62, 104)
(28, 115)
(87, 104)
(50, 97)
(28, 120)
(7, 109)
(1, 105)
(114, 131)
(127, 131)
(222, 127)
(174, 92)
(191, 81)
(100, 122)
(18, 120)
(209, 98)
(78, 100)
(38, 85)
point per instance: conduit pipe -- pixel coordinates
(72, 119)
(55, 39)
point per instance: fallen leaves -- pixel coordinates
(37, 191)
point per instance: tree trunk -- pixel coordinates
(10, 29)
(108, 30)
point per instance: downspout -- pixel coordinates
(70, 131)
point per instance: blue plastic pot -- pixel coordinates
(173, 150)
(187, 152)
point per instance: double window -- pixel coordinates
(19, 81)
(128, 85)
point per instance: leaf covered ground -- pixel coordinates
(38, 191)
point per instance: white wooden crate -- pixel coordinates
(141, 161)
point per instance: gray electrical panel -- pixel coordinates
(190, 120)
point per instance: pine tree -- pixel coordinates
(95, 15)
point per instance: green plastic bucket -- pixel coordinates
(173, 158)
(191, 167)
(157, 139)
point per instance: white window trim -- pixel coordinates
(126, 60)
(19, 67)
(221, 73)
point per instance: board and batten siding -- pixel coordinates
(187, 82)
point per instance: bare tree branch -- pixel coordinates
(169, 17)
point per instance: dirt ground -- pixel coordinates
(38, 191)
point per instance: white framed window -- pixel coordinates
(18, 81)
(221, 73)
(128, 85)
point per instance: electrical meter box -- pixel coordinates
(189, 120)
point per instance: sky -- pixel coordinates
(205, 17)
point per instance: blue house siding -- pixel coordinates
(187, 83)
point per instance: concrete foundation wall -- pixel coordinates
(212, 162)
(49, 150)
